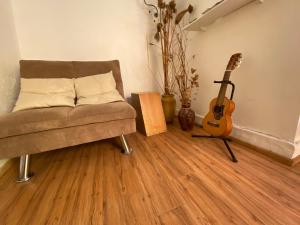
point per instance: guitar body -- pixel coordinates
(219, 125)
(218, 122)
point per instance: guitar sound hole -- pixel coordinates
(218, 112)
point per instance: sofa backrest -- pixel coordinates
(70, 69)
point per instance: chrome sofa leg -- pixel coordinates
(126, 148)
(24, 170)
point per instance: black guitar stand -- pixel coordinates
(225, 139)
(227, 82)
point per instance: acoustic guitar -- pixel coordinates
(218, 121)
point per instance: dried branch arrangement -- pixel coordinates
(186, 76)
(167, 23)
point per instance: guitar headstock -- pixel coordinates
(234, 62)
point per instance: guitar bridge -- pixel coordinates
(213, 124)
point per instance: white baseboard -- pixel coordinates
(278, 146)
(297, 149)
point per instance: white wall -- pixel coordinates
(9, 56)
(88, 30)
(267, 83)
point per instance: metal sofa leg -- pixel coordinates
(24, 170)
(126, 148)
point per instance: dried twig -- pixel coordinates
(172, 45)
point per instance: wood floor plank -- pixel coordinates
(170, 179)
(267, 199)
(20, 198)
(143, 210)
(177, 216)
(153, 181)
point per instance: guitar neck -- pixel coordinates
(222, 91)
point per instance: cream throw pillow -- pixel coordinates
(97, 89)
(40, 93)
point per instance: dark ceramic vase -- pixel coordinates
(186, 117)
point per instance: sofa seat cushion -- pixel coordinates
(87, 114)
(33, 120)
(37, 120)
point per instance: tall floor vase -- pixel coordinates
(169, 106)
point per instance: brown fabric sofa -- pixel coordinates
(38, 130)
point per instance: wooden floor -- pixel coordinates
(169, 179)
